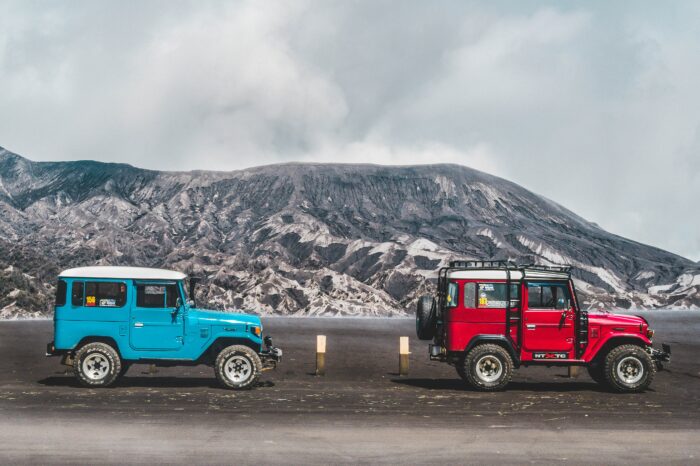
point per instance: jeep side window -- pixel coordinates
(452, 291)
(470, 295)
(493, 295)
(156, 296)
(61, 293)
(547, 296)
(76, 296)
(105, 294)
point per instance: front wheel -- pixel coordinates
(629, 368)
(237, 367)
(596, 372)
(487, 367)
(97, 365)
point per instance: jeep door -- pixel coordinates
(548, 320)
(156, 321)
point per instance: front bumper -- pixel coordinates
(660, 356)
(271, 355)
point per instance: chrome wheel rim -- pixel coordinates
(489, 368)
(96, 366)
(630, 370)
(238, 368)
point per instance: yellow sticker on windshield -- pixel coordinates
(89, 300)
(483, 301)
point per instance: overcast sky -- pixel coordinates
(594, 105)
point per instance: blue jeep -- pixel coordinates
(107, 318)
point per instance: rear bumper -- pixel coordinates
(660, 356)
(51, 350)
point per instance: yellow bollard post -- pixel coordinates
(320, 355)
(403, 355)
(573, 372)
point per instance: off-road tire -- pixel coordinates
(237, 367)
(425, 317)
(596, 372)
(97, 365)
(637, 357)
(460, 371)
(481, 359)
(125, 367)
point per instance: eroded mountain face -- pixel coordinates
(307, 239)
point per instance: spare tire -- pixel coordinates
(425, 318)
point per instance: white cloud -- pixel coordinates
(592, 105)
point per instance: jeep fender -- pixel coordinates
(601, 348)
(94, 339)
(212, 350)
(500, 340)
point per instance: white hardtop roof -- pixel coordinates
(530, 274)
(135, 273)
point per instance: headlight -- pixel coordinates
(650, 334)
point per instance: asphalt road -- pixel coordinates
(360, 412)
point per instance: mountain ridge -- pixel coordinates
(310, 238)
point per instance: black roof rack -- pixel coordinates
(505, 265)
(549, 268)
(483, 265)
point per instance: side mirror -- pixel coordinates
(190, 303)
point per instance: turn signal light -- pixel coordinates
(650, 334)
(256, 330)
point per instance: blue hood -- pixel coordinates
(209, 317)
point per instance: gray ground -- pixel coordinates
(360, 412)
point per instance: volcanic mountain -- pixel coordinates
(307, 239)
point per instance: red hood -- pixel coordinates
(602, 318)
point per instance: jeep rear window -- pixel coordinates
(156, 296)
(76, 296)
(105, 294)
(451, 298)
(61, 293)
(493, 296)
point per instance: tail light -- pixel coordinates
(650, 334)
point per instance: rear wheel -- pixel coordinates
(238, 367)
(97, 365)
(487, 367)
(629, 368)
(425, 318)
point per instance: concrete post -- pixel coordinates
(403, 355)
(320, 355)
(574, 371)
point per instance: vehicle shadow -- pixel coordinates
(459, 385)
(147, 382)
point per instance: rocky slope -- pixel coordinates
(307, 239)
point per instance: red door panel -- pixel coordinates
(548, 320)
(548, 330)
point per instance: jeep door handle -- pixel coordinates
(531, 326)
(138, 324)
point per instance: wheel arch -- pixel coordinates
(210, 353)
(613, 342)
(94, 339)
(500, 340)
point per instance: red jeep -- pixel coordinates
(493, 316)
